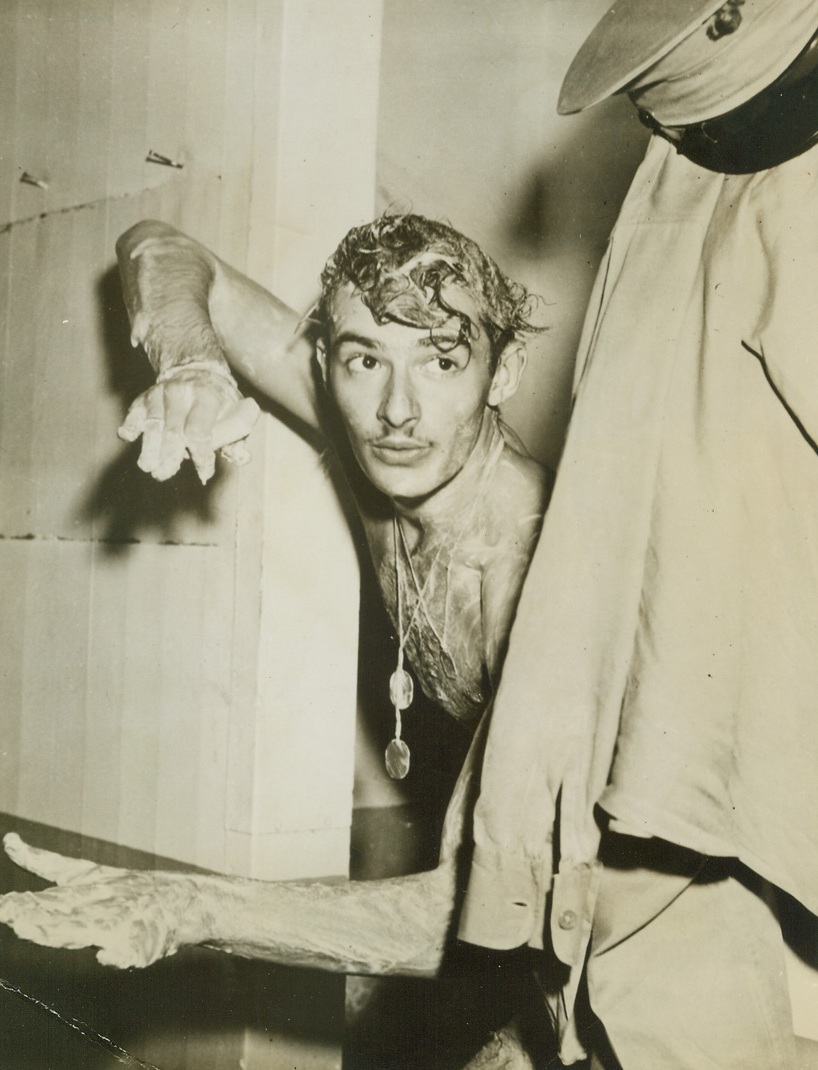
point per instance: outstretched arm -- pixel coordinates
(137, 917)
(197, 317)
(395, 926)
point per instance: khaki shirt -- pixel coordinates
(663, 664)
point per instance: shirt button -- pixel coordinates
(567, 920)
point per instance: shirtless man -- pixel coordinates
(419, 338)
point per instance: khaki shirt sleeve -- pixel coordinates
(504, 904)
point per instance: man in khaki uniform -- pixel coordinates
(657, 711)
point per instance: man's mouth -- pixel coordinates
(398, 450)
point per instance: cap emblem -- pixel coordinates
(726, 20)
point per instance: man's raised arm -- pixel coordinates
(197, 317)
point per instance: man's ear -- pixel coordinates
(508, 373)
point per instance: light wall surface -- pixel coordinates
(160, 647)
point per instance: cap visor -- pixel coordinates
(629, 38)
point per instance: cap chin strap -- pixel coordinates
(777, 124)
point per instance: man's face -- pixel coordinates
(413, 406)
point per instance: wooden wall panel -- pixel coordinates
(52, 739)
(89, 87)
(147, 624)
(20, 295)
(8, 92)
(14, 561)
(164, 648)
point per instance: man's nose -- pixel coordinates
(399, 405)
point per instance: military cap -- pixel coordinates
(691, 59)
(631, 36)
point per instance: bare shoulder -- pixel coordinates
(518, 501)
(520, 492)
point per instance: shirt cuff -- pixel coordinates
(572, 911)
(504, 904)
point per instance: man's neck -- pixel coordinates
(445, 508)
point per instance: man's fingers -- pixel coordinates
(203, 414)
(203, 457)
(123, 917)
(140, 326)
(163, 441)
(237, 423)
(134, 422)
(199, 426)
(25, 917)
(189, 417)
(52, 866)
(153, 422)
(167, 459)
(61, 918)
(205, 432)
(236, 453)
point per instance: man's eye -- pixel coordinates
(363, 362)
(444, 365)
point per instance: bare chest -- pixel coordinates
(434, 602)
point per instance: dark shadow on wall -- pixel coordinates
(554, 236)
(570, 202)
(128, 505)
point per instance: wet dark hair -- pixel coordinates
(400, 264)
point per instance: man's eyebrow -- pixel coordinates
(351, 338)
(447, 337)
(433, 340)
(438, 336)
